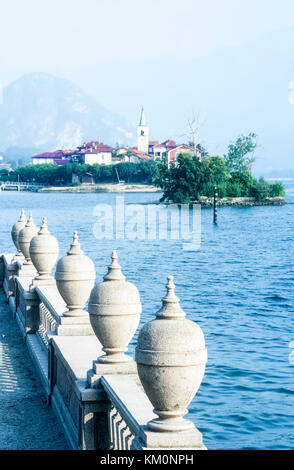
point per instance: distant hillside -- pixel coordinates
(42, 112)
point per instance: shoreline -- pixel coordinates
(242, 201)
(145, 188)
(102, 188)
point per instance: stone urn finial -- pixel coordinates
(75, 277)
(15, 233)
(171, 358)
(24, 238)
(114, 308)
(75, 247)
(114, 270)
(170, 303)
(44, 252)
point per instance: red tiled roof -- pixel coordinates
(99, 149)
(186, 147)
(88, 147)
(169, 144)
(55, 154)
(96, 145)
(139, 154)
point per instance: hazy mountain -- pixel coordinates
(43, 112)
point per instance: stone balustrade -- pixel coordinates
(103, 398)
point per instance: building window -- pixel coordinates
(142, 132)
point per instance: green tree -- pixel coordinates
(45, 173)
(261, 189)
(215, 174)
(192, 177)
(240, 154)
(239, 184)
(183, 182)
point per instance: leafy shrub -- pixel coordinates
(277, 190)
(260, 189)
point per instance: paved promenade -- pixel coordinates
(26, 423)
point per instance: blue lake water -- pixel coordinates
(238, 287)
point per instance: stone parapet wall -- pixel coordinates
(99, 393)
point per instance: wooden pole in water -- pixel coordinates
(215, 205)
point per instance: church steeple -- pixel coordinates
(142, 118)
(143, 134)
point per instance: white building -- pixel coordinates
(143, 134)
(99, 155)
(93, 152)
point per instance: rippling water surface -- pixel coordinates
(238, 287)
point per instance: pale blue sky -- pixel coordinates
(159, 53)
(63, 35)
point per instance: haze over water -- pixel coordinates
(238, 287)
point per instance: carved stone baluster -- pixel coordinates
(129, 439)
(115, 420)
(111, 415)
(124, 433)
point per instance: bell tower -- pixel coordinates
(143, 134)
